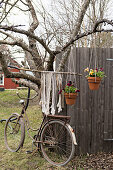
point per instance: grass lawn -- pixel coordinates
(9, 103)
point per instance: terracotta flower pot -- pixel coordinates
(94, 82)
(70, 98)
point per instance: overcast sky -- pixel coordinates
(21, 18)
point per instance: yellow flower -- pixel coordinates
(91, 72)
(86, 69)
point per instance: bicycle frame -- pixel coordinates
(44, 121)
(26, 121)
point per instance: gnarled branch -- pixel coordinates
(9, 74)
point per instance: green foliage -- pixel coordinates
(100, 74)
(70, 89)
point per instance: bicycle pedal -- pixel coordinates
(28, 152)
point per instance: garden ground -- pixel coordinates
(9, 103)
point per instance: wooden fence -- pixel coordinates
(92, 115)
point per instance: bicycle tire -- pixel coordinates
(14, 137)
(57, 143)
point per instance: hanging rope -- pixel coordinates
(60, 104)
(95, 48)
(51, 83)
(74, 68)
(90, 58)
(45, 92)
(53, 106)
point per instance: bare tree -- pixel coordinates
(32, 40)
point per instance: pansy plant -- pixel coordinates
(98, 72)
(69, 88)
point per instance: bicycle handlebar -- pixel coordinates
(27, 97)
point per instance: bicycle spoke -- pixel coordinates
(57, 145)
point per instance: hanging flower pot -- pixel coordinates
(94, 77)
(94, 82)
(70, 98)
(70, 93)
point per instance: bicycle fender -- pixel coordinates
(73, 134)
(15, 114)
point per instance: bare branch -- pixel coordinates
(18, 43)
(80, 18)
(64, 59)
(100, 22)
(94, 30)
(24, 10)
(28, 34)
(23, 3)
(32, 42)
(9, 74)
(35, 22)
(26, 84)
(6, 13)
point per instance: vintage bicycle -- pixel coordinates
(55, 137)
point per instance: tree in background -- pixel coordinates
(66, 23)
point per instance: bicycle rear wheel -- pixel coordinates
(14, 133)
(56, 143)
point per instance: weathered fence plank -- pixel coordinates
(92, 115)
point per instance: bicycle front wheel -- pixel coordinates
(56, 143)
(14, 133)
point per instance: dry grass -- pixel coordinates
(9, 103)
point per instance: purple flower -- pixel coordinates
(77, 91)
(60, 92)
(69, 83)
(101, 69)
